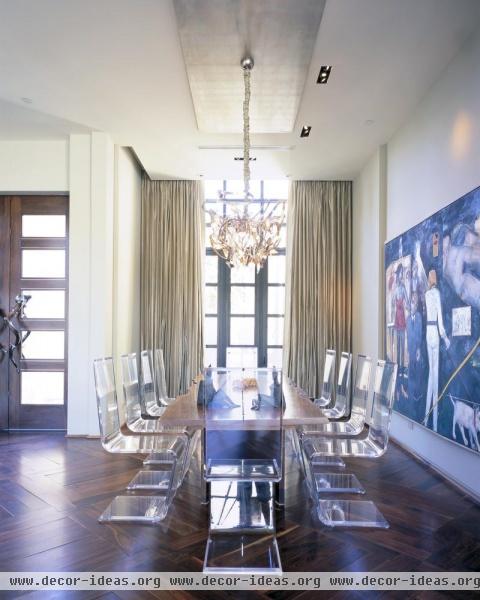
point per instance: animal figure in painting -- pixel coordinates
(466, 417)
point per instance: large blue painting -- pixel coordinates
(433, 320)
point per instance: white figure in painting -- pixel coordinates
(419, 278)
(435, 326)
(461, 261)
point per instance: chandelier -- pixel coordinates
(245, 236)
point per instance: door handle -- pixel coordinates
(17, 312)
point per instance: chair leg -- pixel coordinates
(350, 513)
(190, 450)
(343, 483)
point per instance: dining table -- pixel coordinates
(298, 409)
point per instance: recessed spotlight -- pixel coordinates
(305, 131)
(369, 122)
(26, 100)
(324, 74)
(241, 158)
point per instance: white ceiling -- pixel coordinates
(117, 66)
(21, 123)
(214, 37)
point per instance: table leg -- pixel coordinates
(280, 486)
(205, 487)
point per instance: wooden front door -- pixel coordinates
(38, 267)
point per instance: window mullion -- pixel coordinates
(223, 312)
(261, 297)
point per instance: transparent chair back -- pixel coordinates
(243, 420)
(342, 392)
(159, 377)
(355, 424)
(361, 387)
(131, 389)
(242, 356)
(328, 382)
(107, 405)
(149, 386)
(382, 405)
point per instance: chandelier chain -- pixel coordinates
(246, 132)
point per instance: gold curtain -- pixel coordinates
(171, 277)
(318, 312)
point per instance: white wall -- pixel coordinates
(368, 239)
(431, 161)
(36, 166)
(369, 202)
(126, 282)
(104, 318)
(91, 272)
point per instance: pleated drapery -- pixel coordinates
(171, 277)
(318, 311)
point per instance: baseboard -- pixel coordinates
(447, 477)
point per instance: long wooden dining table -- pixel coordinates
(298, 410)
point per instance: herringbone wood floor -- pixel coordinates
(52, 490)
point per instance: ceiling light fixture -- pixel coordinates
(305, 131)
(324, 74)
(241, 238)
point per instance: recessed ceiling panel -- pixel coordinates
(215, 36)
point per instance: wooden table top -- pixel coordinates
(299, 410)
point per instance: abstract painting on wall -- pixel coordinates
(433, 320)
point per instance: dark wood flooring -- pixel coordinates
(53, 489)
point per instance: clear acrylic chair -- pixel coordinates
(340, 408)
(169, 450)
(136, 423)
(376, 442)
(243, 460)
(342, 392)
(356, 422)
(109, 420)
(146, 509)
(353, 513)
(328, 382)
(243, 417)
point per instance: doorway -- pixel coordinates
(33, 342)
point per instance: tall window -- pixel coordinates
(243, 307)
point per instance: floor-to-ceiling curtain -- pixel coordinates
(319, 278)
(171, 277)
